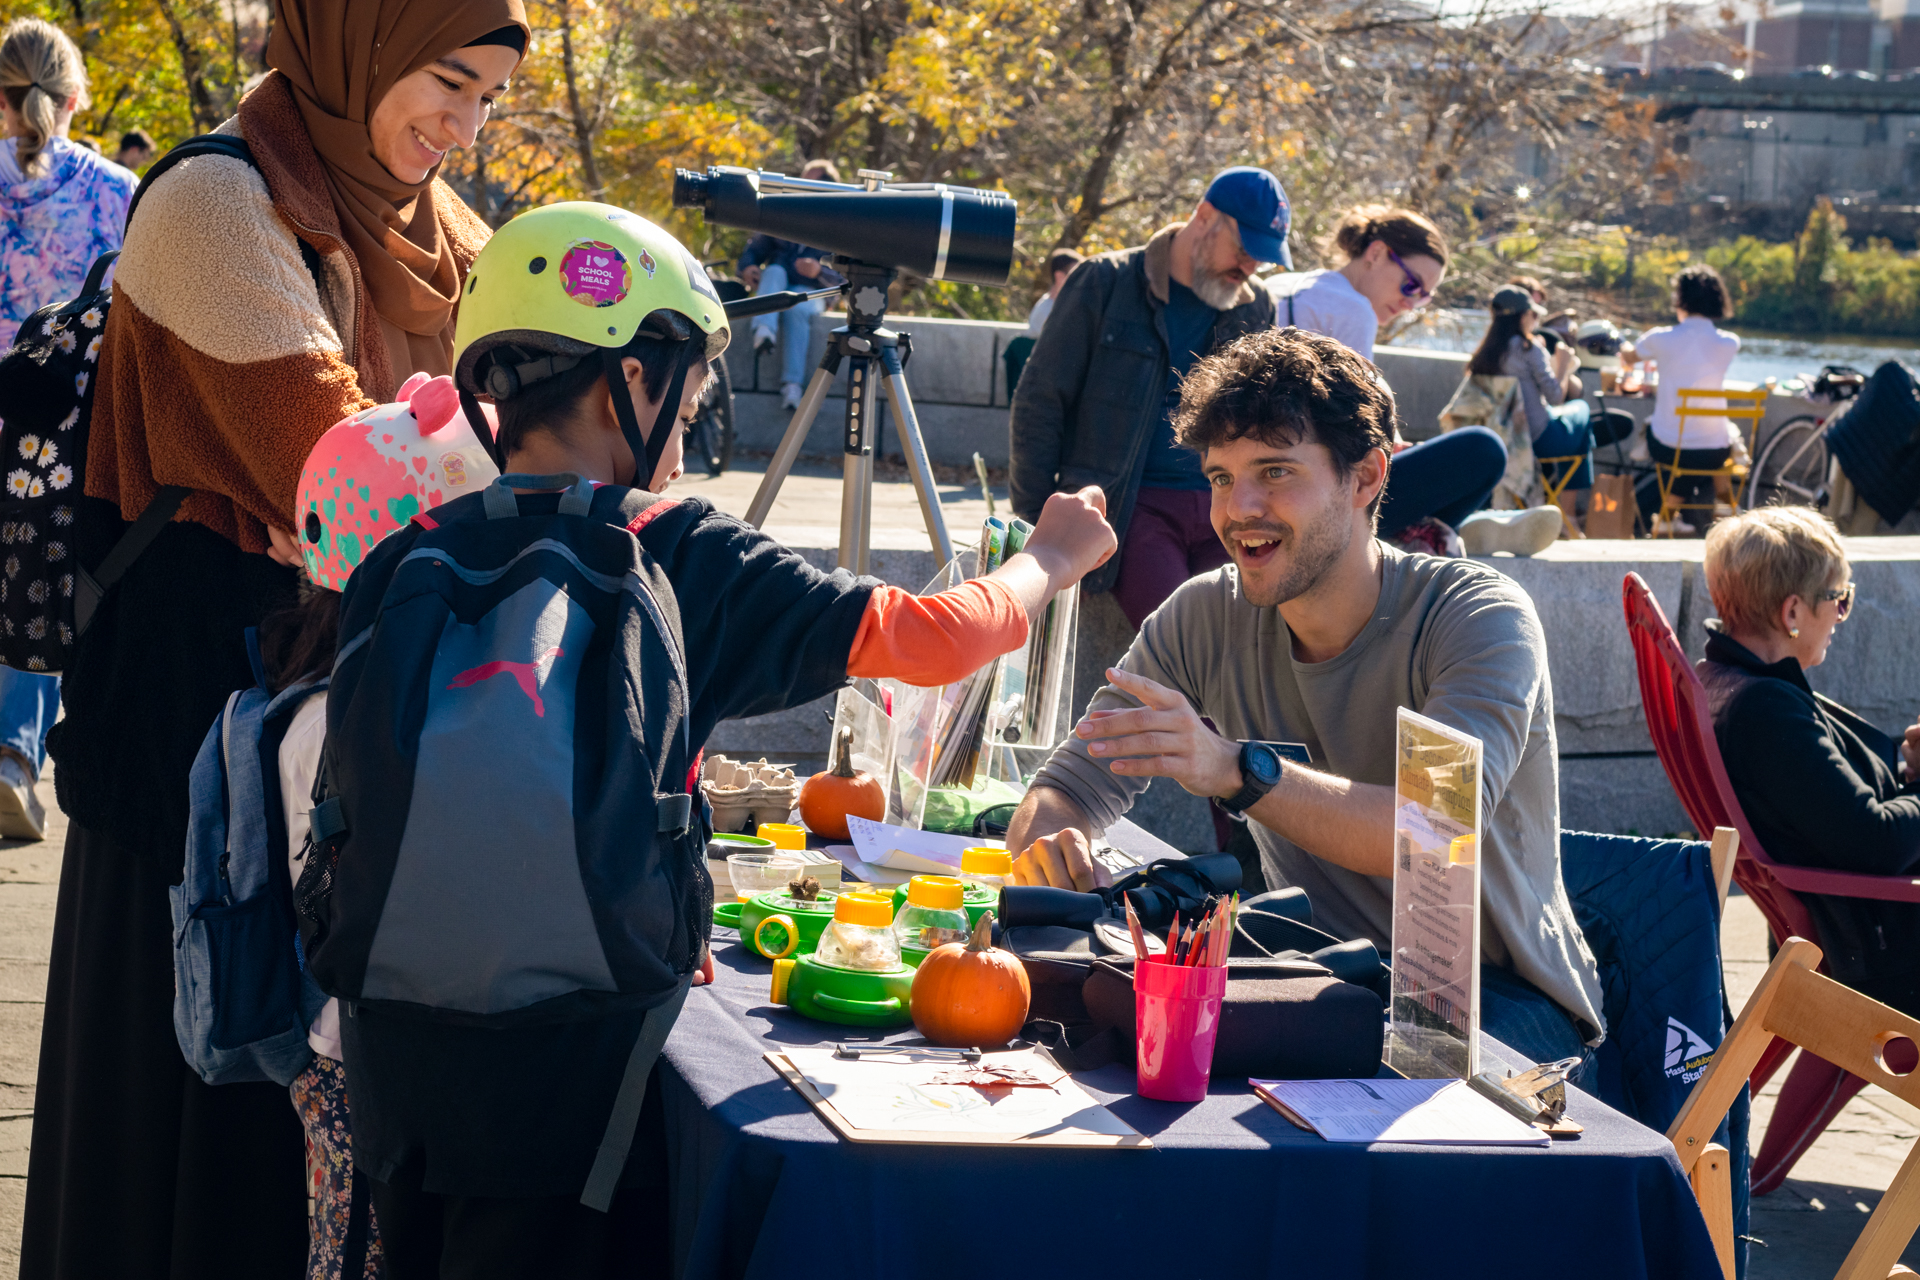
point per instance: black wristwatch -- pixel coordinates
(1260, 767)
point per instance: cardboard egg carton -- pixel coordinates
(743, 792)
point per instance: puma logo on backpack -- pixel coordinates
(486, 864)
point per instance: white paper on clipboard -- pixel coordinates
(908, 849)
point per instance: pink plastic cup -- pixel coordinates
(1176, 1015)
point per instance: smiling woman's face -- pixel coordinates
(437, 108)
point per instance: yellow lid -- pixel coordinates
(782, 971)
(1461, 851)
(942, 893)
(871, 909)
(785, 835)
(986, 862)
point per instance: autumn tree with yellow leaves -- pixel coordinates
(1104, 118)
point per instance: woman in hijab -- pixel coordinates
(254, 307)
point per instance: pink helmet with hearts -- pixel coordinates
(370, 475)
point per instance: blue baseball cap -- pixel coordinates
(1253, 198)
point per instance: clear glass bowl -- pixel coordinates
(757, 873)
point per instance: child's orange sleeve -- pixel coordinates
(937, 639)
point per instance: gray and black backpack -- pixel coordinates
(503, 834)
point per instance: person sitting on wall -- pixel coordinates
(770, 265)
(1314, 633)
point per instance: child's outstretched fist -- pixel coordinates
(1072, 537)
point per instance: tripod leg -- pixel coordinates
(915, 448)
(782, 461)
(856, 491)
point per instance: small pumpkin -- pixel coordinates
(827, 799)
(971, 993)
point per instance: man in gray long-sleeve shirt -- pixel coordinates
(1314, 634)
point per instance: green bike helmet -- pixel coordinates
(577, 281)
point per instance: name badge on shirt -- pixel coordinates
(1294, 751)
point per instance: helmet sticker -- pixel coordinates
(594, 274)
(697, 276)
(647, 263)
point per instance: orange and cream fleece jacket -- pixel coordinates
(224, 359)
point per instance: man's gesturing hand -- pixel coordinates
(1162, 739)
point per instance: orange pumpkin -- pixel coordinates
(826, 799)
(971, 993)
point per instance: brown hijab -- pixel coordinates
(340, 58)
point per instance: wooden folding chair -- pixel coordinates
(1744, 407)
(1809, 1009)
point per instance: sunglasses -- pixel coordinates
(1414, 287)
(1842, 595)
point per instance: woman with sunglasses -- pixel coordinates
(1819, 785)
(1396, 258)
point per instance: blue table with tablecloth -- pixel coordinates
(759, 1186)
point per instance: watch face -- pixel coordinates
(1261, 761)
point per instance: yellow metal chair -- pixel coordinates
(1806, 1008)
(1743, 407)
(1555, 473)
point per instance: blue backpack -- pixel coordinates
(242, 998)
(504, 838)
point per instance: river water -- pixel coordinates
(1762, 355)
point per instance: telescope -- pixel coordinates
(935, 230)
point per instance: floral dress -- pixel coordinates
(54, 224)
(340, 1228)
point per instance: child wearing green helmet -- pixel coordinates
(591, 331)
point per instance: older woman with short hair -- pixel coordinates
(1820, 786)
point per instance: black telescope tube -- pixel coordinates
(938, 231)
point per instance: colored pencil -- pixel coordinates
(1139, 934)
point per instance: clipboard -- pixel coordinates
(1120, 1135)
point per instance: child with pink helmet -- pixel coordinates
(364, 480)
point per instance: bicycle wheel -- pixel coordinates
(1792, 469)
(710, 438)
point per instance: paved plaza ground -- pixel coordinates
(1801, 1232)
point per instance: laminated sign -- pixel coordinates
(1435, 1018)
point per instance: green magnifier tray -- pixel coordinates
(775, 925)
(978, 902)
(850, 997)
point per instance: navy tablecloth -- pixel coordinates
(761, 1187)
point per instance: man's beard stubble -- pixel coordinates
(1310, 553)
(1217, 291)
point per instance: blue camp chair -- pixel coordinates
(1650, 910)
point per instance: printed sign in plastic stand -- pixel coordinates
(1435, 1019)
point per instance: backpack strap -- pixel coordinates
(611, 1159)
(90, 588)
(501, 504)
(254, 660)
(230, 145)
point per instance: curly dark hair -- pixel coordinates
(1698, 290)
(1283, 386)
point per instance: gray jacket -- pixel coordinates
(1093, 388)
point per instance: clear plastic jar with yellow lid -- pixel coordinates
(934, 913)
(861, 935)
(988, 870)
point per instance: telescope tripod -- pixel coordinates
(872, 354)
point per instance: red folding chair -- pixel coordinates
(1681, 725)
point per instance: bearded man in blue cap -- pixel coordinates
(1096, 401)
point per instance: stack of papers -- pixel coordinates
(882, 853)
(1427, 1112)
